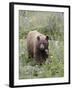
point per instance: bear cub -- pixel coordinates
(37, 46)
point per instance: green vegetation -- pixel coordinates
(48, 23)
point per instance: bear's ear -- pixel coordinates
(47, 37)
(38, 38)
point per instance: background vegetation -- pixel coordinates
(48, 23)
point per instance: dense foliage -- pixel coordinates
(48, 23)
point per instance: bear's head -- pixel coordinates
(43, 43)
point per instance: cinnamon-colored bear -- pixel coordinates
(37, 46)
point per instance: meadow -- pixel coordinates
(48, 23)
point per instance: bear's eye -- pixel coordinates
(45, 43)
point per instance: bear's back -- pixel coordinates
(35, 34)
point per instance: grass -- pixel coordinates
(53, 67)
(48, 23)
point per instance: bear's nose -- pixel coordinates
(41, 46)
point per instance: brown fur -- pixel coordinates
(33, 46)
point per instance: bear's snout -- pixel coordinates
(41, 47)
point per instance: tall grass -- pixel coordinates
(48, 23)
